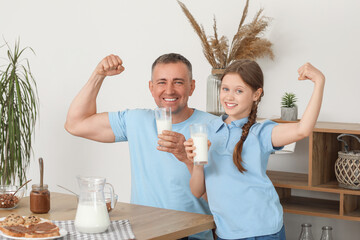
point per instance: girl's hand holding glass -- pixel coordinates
(189, 148)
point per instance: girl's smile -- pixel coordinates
(230, 105)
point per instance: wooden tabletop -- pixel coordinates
(146, 222)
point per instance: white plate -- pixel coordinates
(62, 232)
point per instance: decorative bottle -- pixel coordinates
(213, 91)
(326, 233)
(306, 233)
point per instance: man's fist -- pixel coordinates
(109, 66)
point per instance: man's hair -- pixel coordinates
(173, 58)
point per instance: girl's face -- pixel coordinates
(237, 97)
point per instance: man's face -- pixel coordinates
(171, 86)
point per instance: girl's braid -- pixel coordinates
(245, 131)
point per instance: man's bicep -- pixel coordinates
(97, 128)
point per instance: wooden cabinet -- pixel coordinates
(323, 152)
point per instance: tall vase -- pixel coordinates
(213, 91)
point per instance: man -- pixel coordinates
(160, 170)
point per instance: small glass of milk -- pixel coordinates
(163, 119)
(198, 133)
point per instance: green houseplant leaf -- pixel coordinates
(19, 110)
(288, 100)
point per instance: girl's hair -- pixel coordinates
(250, 72)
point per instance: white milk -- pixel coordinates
(200, 142)
(92, 218)
(163, 125)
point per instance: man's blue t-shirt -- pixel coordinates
(158, 179)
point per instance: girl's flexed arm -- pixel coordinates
(284, 134)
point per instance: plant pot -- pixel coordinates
(289, 114)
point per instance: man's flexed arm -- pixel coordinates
(82, 119)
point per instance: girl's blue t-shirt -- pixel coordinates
(243, 204)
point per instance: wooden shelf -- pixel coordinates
(332, 127)
(333, 186)
(354, 214)
(300, 181)
(311, 206)
(288, 179)
(317, 207)
(323, 152)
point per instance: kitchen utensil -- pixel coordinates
(41, 164)
(68, 190)
(21, 187)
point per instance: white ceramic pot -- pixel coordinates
(289, 114)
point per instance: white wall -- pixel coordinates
(71, 37)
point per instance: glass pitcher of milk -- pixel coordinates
(92, 215)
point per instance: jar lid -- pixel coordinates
(37, 187)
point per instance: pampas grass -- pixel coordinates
(247, 43)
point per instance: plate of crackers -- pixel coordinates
(25, 227)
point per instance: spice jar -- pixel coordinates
(39, 199)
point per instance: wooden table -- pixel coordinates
(146, 222)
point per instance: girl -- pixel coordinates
(242, 199)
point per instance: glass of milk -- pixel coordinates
(198, 133)
(163, 119)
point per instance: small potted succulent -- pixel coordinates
(289, 109)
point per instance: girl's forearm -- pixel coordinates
(309, 118)
(197, 181)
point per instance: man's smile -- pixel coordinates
(170, 99)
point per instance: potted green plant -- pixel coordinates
(289, 110)
(19, 110)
